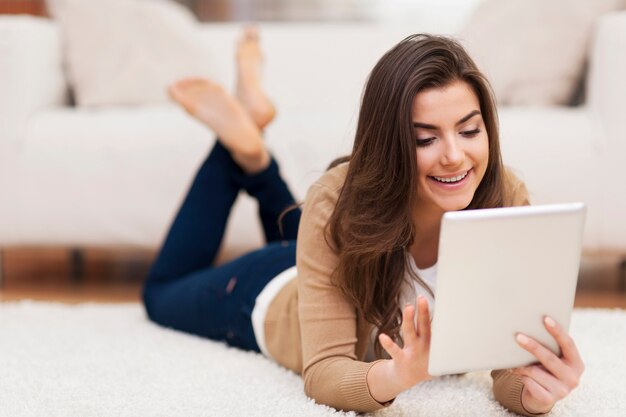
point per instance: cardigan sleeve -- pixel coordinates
(508, 388)
(328, 322)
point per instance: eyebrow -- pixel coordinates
(433, 127)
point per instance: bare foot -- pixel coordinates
(249, 91)
(209, 103)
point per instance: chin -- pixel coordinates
(456, 205)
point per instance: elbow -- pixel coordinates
(332, 392)
(318, 396)
(314, 389)
(310, 388)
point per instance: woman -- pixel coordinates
(426, 143)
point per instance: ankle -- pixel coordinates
(253, 163)
(264, 117)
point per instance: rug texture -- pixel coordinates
(109, 360)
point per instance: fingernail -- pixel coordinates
(522, 339)
(549, 321)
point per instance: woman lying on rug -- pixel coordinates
(426, 143)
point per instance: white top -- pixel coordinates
(266, 296)
(263, 301)
(428, 275)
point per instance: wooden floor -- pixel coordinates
(111, 276)
(107, 276)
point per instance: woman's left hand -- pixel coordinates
(555, 377)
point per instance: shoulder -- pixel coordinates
(321, 200)
(334, 178)
(515, 191)
(329, 185)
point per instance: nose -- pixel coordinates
(453, 153)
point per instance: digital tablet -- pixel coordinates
(500, 271)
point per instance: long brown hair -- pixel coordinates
(372, 224)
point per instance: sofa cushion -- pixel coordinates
(533, 52)
(127, 51)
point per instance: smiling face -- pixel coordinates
(452, 147)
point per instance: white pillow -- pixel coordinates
(533, 51)
(128, 51)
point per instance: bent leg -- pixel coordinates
(258, 173)
(270, 190)
(196, 233)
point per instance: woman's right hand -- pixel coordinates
(410, 363)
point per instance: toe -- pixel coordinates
(251, 32)
(173, 91)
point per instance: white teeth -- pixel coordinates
(452, 179)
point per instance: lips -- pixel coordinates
(451, 179)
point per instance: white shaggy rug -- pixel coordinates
(109, 360)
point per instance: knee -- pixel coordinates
(147, 296)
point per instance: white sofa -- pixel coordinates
(115, 176)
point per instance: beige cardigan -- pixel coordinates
(313, 330)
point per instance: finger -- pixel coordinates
(408, 325)
(389, 345)
(568, 347)
(423, 318)
(555, 387)
(553, 363)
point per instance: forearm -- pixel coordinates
(383, 384)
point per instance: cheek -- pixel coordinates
(481, 158)
(481, 151)
(486, 148)
(424, 162)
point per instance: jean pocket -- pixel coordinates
(222, 281)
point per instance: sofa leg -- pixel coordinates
(1, 268)
(622, 275)
(78, 265)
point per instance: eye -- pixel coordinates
(424, 142)
(470, 133)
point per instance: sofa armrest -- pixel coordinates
(606, 92)
(606, 86)
(31, 71)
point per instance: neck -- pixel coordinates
(426, 244)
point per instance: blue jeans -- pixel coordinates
(183, 290)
